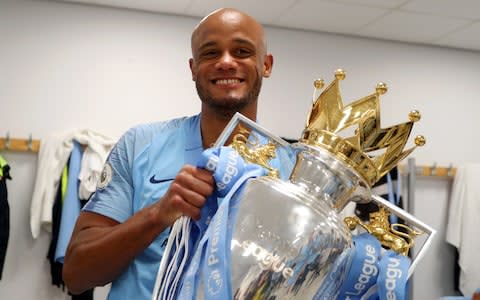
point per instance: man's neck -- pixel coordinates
(212, 125)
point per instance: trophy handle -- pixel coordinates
(411, 220)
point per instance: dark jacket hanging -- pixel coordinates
(4, 216)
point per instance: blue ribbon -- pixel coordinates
(393, 276)
(213, 253)
(373, 274)
(363, 272)
(394, 195)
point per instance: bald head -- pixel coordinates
(229, 17)
(228, 63)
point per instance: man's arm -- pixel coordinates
(101, 248)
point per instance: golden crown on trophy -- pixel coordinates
(329, 118)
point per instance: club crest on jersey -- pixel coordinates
(105, 176)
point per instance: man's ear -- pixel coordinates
(267, 65)
(192, 69)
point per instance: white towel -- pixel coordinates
(94, 156)
(52, 157)
(463, 225)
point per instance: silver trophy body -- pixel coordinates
(288, 240)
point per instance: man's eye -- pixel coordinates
(210, 53)
(243, 52)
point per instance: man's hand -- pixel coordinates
(187, 194)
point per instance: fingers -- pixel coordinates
(188, 192)
(182, 207)
(192, 197)
(195, 180)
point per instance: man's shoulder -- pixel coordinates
(141, 137)
(153, 130)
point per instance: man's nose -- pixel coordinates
(226, 61)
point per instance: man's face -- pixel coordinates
(229, 61)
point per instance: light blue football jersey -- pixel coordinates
(138, 172)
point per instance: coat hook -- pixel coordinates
(7, 141)
(30, 143)
(450, 170)
(433, 170)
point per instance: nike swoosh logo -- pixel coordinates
(153, 180)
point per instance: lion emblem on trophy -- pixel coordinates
(254, 152)
(386, 233)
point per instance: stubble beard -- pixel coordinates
(227, 107)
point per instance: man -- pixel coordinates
(150, 179)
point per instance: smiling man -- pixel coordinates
(149, 179)
(228, 64)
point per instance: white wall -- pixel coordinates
(66, 66)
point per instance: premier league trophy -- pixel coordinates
(287, 240)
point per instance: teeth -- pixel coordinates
(227, 81)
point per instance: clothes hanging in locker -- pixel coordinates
(56, 267)
(69, 174)
(388, 187)
(71, 203)
(4, 212)
(52, 157)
